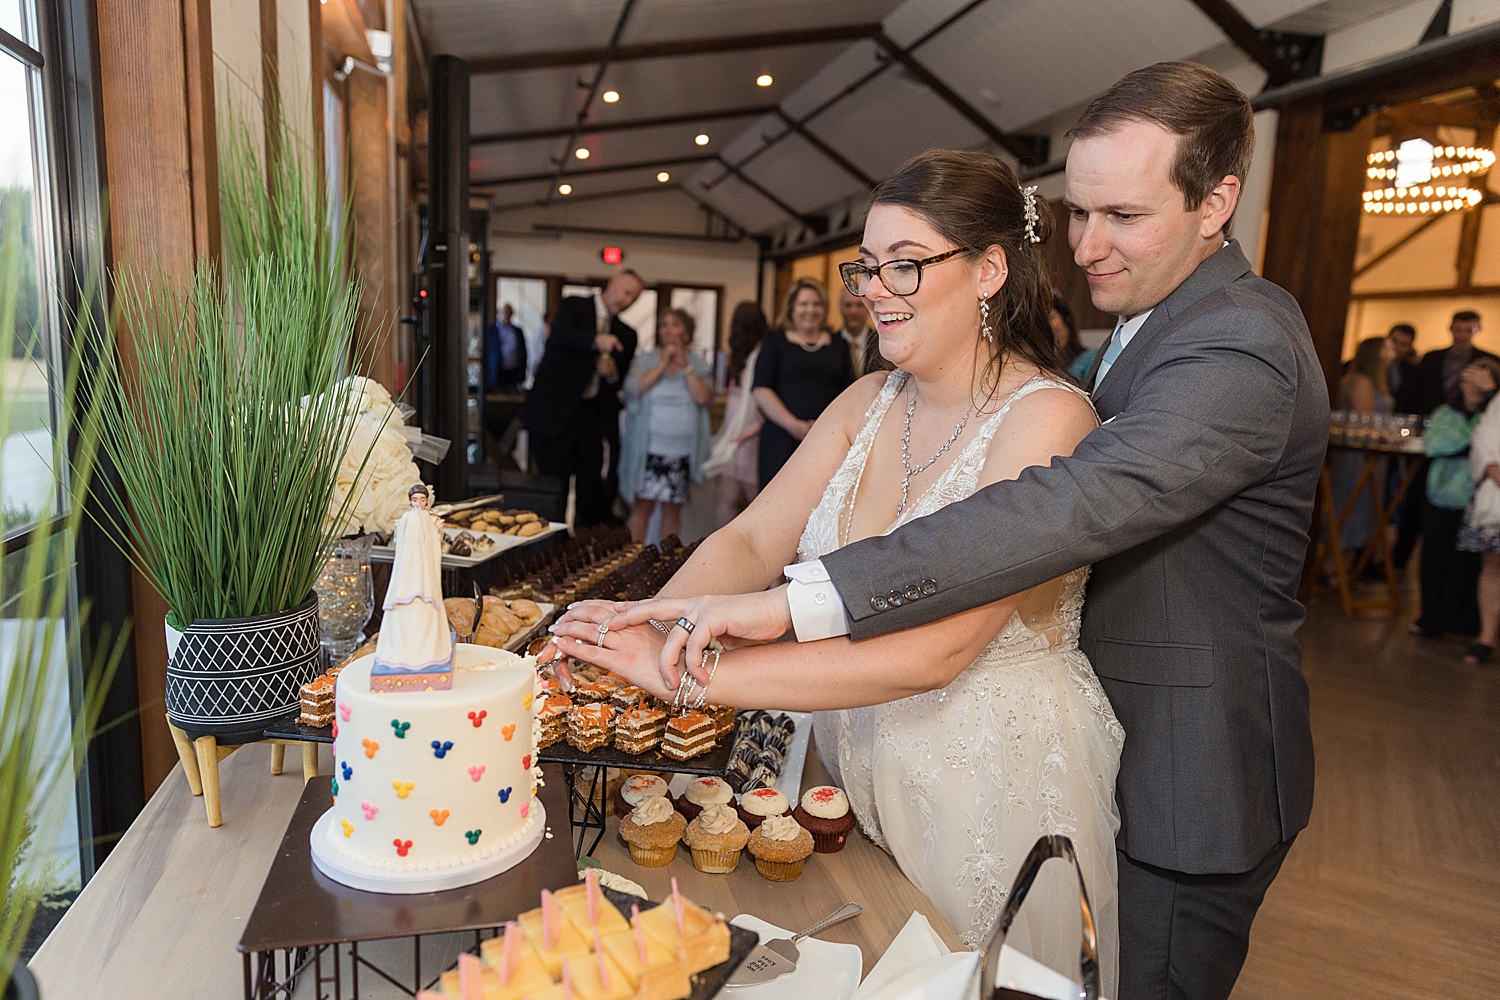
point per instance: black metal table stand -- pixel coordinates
(586, 810)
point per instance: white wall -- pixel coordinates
(237, 58)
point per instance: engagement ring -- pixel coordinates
(603, 631)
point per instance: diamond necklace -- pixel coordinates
(907, 472)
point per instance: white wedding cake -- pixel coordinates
(433, 789)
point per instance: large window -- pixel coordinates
(28, 210)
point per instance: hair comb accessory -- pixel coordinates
(1028, 199)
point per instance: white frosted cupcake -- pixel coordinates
(701, 793)
(756, 806)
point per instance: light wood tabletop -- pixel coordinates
(861, 873)
(162, 917)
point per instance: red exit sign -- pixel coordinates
(612, 255)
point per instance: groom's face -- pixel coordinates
(1128, 225)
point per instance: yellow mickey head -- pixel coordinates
(526, 702)
(348, 827)
(403, 788)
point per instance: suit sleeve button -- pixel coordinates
(895, 599)
(878, 603)
(913, 592)
(929, 587)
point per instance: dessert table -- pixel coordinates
(163, 916)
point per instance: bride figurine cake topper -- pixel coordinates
(415, 649)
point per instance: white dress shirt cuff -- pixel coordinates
(817, 610)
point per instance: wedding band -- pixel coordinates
(659, 626)
(603, 631)
(686, 625)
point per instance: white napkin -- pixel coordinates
(919, 966)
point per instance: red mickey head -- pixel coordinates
(478, 718)
(526, 761)
(402, 846)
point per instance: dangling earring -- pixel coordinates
(984, 317)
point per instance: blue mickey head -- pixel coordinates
(440, 749)
(504, 795)
(348, 771)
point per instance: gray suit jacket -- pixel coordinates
(1193, 503)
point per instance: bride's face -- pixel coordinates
(927, 330)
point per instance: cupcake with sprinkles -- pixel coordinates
(756, 806)
(702, 793)
(825, 814)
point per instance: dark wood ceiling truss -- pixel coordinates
(588, 100)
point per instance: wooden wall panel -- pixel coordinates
(1313, 233)
(375, 232)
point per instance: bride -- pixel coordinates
(959, 743)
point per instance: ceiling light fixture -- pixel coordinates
(663, 177)
(565, 189)
(764, 80)
(610, 96)
(1403, 175)
(701, 139)
(581, 152)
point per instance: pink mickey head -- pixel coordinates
(525, 808)
(344, 710)
(370, 810)
(476, 771)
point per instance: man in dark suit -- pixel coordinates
(574, 402)
(1192, 501)
(1402, 375)
(1437, 375)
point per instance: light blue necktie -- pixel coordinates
(1116, 345)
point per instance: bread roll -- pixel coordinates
(527, 610)
(491, 636)
(460, 613)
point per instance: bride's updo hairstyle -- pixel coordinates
(975, 201)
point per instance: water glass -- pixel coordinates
(346, 598)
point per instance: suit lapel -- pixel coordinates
(1228, 264)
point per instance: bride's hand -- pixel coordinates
(735, 620)
(631, 652)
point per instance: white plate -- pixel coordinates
(503, 543)
(826, 971)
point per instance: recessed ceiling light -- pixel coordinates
(764, 80)
(581, 152)
(611, 96)
(701, 139)
(565, 189)
(663, 177)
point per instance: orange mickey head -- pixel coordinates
(508, 731)
(370, 747)
(439, 816)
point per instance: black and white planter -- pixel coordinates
(21, 986)
(229, 677)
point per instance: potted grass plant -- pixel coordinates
(43, 737)
(227, 413)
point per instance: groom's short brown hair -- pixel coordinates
(1212, 119)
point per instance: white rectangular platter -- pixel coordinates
(503, 543)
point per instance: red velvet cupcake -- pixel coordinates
(635, 788)
(825, 814)
(702, 792)
(755, 806)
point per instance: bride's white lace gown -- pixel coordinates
(958, 783)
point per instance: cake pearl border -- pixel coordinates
(383, 874)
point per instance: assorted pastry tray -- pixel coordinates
(715, 762)
(708, 983)
(498, 543)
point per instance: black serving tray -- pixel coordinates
(709, 982)
(715, 762)
(288, 728)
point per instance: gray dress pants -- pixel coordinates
(1184, 937)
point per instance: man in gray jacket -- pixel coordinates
(1192, 502)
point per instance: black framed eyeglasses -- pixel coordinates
(900, 277)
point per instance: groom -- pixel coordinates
(1192, 502)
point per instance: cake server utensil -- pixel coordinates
(478, 612)
(779, 956)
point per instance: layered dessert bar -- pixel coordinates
(553, 716)
(640, 729)
(688, 736)
(317, 702)
(589, 726)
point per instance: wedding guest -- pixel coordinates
(1402, 373)
(575, 397)
(801, 369)
(666, 426)
(1481, 530)
(1437, 374)
(856, 330)
(1448, 576)
(505, 353)
(1075, 358)
(1362, 392)
(733, 457)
